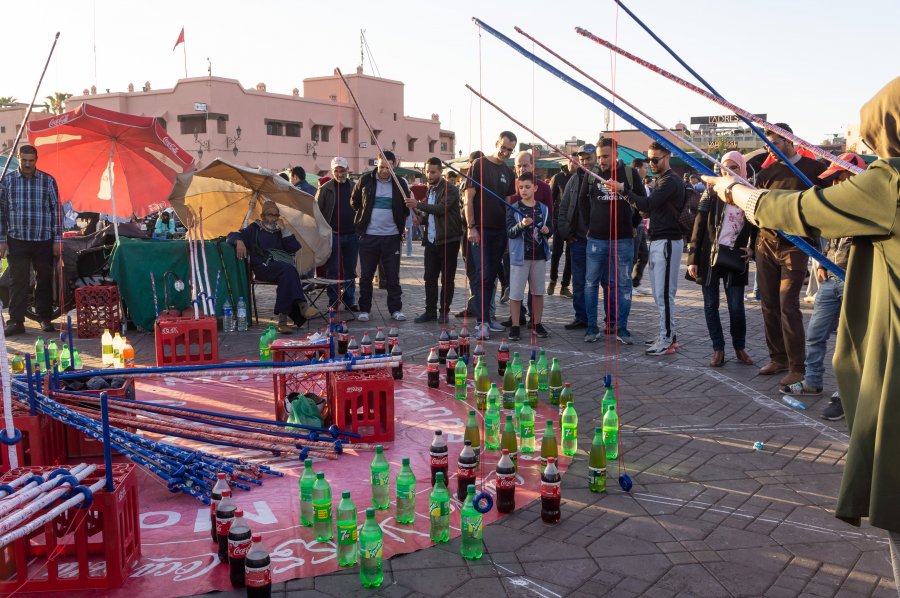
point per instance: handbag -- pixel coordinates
(724, 257)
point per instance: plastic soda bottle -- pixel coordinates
(526, 428)
(406, 493)
(569, 426)
(506, 483)
(127, 354)
(611, 432)
(258, 570)
(531, 384)
(482, 385)
(53, 352)
(225, 511)
(116, 351)
(549, 447)
(492, 425)
(466, 467)
(239, 539)
(439, 456)
(543, 372)
(323, 521)
(347, 532)
(508, 441)
(371, 552)
(609, 395)
(272, 334)
(397, 370)
(393, 336)
(307, 480)
(550, 492)
(215, 496)
(343, 337)
(265, 353)
(365, 344)
(17, 366)
(454, 340)
(443, 346)
(451, 360)
(381, 480)
(565, 396)
(64, 359)
(521, 398)
(433, 367)
(555, 382)
(380, 342)
(76, 363)
(509, 388)
(494, 393)
(479, 351)
(352, 347)
(105, 346)
(460, 375)
(242, 315)
(439, 510)
(516, 365)
(473, 434)
(597, 463)
(227, 316)
(471, 528)
(464, 338)
(502, 357)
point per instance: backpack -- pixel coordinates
(685, 216)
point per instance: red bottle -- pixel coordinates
(550, 494)
(380, 342)
(502, 357)
(443, 346)
(434, 369)
(454, 339)
(239, 539)
(343, 336)
(397, 370)
(464, 337)
(366, 344)
(465, 470)
(452, 358)
(224, 517)
(393, 337)
(506, 483)
(258, 570)
(352, 347)
(215, 496)
(439, 456)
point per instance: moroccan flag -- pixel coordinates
(180, 39)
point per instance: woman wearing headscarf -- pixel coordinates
(721, 245)
(867, 353)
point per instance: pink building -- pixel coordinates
(217, 117)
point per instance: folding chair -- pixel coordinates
(316, 287)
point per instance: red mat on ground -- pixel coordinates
(179, 557)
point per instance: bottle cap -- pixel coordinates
(467, 442)
(239, 513)
(221, 475)
(505, 451)
(405, 460)
(308, 463)
(257, 538)
(370, 513)
(320, 475)
(439, 476)
(379, 449)
(345, 494)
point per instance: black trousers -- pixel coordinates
(440, 262)
(560, 247)
(384, 250)
(23, 256)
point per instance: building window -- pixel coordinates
(162, 122)
(325, 132)
(375, 135)
(411, 144)
(314, 133)
(273, 127)
(191, 124)
(2, 129)
(444, 146)
(345, 134)
(395, 116)
(220, 126)
(431, 145)
(292, 129)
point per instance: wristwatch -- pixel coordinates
(728, 195)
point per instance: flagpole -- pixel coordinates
(184, 47)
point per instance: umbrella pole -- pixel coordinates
(250, 210)
(187, 237)
(112, 189)
(204, 290)
(210, 292)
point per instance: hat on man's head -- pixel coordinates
(339, 161)
(587, 148)
(854, 159)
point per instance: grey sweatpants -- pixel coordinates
(664, 265)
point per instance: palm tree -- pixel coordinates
(56, 103)
(7, 101)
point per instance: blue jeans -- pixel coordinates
(487, 260)
(600, 254)
(737, 319)
(826, 311)
(578, 250)
(341, 265)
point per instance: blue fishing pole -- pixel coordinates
(490, 192)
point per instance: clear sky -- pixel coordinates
(810, 63)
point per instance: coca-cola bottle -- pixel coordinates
(550, 494)
(506, 484)
(466, 470)
(478, 352)
(239, 540)
(224, 518)
(214, 498)
(439, 456)
(452, 358)
(352, 347)
(393, 337)
(397, 370)
(258, 570)
(434, 369)
(464, 337)
(365, 344)
(343, 336)
(502, 357)
(443, 345)
(380, 342)
(454, 339)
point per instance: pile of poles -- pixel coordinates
(203, 295)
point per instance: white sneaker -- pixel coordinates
(363, 316)
(642, 290)
(482, 332)
(399, 316)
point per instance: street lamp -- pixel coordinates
(232, 141)
(201, 145)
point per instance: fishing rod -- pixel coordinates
(490, 191)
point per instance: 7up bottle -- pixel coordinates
(569, 426)
(347, 533)
(555, 382)
(371, 552)
(471, 528)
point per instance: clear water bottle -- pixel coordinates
(241, 315)
(227, 316)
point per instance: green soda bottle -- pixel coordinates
(597, 463)
(53, 352)
(526, 428)
(381, 480)
(307, 480)
(64, 358)
(492, 425)
(323, 522)
(460, 374)
(516, 365)
(565, 396)
(371, 552)
(17, 365)
(611, 432)
(439, 510)
(509, 388)
(520, 399)
(482, 385)
(473, 433)
(543, 372)
(406, 493)
(76, 362)
(272, 333)
(569, 426)
(265, 353)
(549, 447)
(509, 442)
(609, 395)
(555, 382)
(347, 532)
(531, 384)
(39, 352)
(471, 528)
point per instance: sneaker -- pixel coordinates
(426, 317)
(834, 410)
(662, 347)
(609, 329)
(800, 389)
(624, 337)
(541, 331)
(551, 288)
(514, 333)
(591, 333)
(751, 297)
(13, 328)
(482, 332)
(565, 292)
(504, 296)
(363, 316)
(507, 323)
(283, 326)
(575, 324)
(399, 316)
(642, 291)
(650, 341)
(496, 327)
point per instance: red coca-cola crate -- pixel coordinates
(292, 350)
(362, 401)
(43, 440)
(81, 549)
(79, 444)
(186, 341)
(97, 308)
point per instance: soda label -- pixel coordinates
(347, 533)
(237, 549)
(532, 395)
(367, 349)
(550, 489)
(473, 526)
(568, 433)
(258, 577)
(444, 345)
(323, 512)
(527, 429)
(380, 478)
(371, 551)
(439, 461)
(222, 526)
(439, 509)
(555, 391)
(465, 471)
(379, 346)
(506, 481)
(451, 364)
(597, 475)
(433, 367)
(503, 356)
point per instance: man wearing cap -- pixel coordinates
(781, 268)
(827, 308)
(334, 202)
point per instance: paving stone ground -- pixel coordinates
(708, 515)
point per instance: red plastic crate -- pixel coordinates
(88, 549)
(97, 308)
(362, 401)
(79, 444)
(186, 341)
(287, 384)
(43, 440)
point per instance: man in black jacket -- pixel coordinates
(380, 208)
(334, 202)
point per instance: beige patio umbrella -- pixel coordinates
(232, 196)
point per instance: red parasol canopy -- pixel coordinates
(87, 147)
